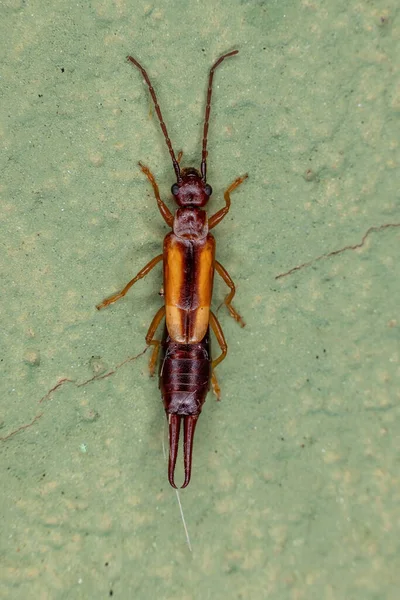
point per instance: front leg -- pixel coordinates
(215, 219)
(164, 210)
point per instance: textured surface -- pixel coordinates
(295, 488)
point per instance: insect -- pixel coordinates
(189, 263)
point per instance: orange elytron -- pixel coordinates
(186, 367)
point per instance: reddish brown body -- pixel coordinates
(189, 264)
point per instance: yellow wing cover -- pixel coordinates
(188, 282)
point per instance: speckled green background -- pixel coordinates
(296, 489)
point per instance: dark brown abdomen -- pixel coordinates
(185, 372)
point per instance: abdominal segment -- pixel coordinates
(185, 372)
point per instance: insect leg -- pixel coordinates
(227, 278)
(150, 341)
(215, 219)
(164, 210)
(219, 334)
(215, 386)
(128, 286)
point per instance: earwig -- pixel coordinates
(186, 366)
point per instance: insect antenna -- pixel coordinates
(160, 117)
(207, 115)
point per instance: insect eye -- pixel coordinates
(175, 189)
(208, 189)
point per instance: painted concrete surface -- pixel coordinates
(295, 487)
